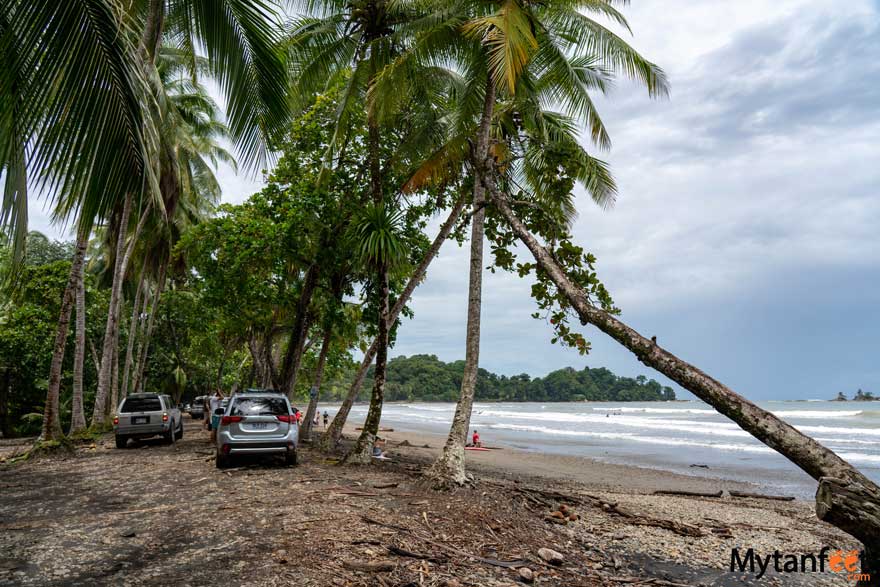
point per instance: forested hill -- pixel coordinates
(427, 378)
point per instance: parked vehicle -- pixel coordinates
(197, 409)
(256, 423)
(142, 415)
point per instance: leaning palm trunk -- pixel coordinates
(123, 254)
(449, 468)
(334, 432)
(144, 345)
(77, 413)
(51, 415)
(133, 328)
(306, 432)
(845, 497)
(363, 448)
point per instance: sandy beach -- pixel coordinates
(154, 515)
(512, 463)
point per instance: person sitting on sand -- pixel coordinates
(476, 440)
(379, 449)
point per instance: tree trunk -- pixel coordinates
(77, 412)
(114, 378)
(153, 30)
(845, 497)
(334, 432)
(123, 254)
(306, 431)
(133, 328)
(144, 347)
(363, 450)
(51, 415)
(5, 384)
(293, 357)
(449, 468)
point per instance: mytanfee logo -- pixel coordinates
(828, 560)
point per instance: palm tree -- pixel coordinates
(378, 245)
(527, 55)
(83, 116)
(194, 131)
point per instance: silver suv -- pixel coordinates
(257, 423)
(142, 415)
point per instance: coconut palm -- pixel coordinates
(195, 133)
(525, 56)
(379, 246)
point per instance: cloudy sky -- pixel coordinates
(746, 233)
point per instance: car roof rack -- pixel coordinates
(259, 390)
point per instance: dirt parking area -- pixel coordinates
(164, 515)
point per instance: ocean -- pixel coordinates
(671, 436)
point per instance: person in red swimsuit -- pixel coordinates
(476, 439)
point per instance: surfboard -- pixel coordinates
(475, 448)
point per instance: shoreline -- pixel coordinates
(515, 463)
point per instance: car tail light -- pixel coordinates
(230, 419)
(165, 417)
(115, 420)
(225, 449)
(286, 418)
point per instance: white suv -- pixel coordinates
(257, 422)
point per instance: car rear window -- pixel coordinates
(259, 406)
(141, 404)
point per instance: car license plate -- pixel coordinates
(140, 420)
(260, 425)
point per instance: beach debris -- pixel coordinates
(551, 556)
(562, 515)
(685, 493)
(699, 466)
(760, 495)
(526, 575)
(382, 566)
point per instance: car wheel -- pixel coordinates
(179, 434)
(121, 441)
(222, 461)
(290, 458)
(168, 437)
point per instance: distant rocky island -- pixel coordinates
(860, 396)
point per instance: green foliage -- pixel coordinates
(27, 331)
(426, 378)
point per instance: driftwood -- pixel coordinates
(385, 485)
(547, 498)
(372, 567)
(718, 493)
(409, 554)
(760, 495)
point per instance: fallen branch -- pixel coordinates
(760, 496)
(718, 493)
(408, 553)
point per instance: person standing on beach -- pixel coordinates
(213, 405)
(326, 418)
(476, 439)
